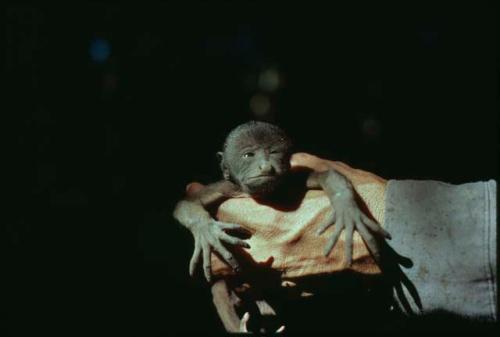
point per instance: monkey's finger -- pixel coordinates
(329, 220)
(280, 329)
(234, 241)
(232, 227)
(335, 236)
(194, 259)
(349, 231)
(375, 227)
(227, 256)
(243, 322)
(370, 241)
(207, 268)
(323, 228)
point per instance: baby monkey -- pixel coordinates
(255, 161)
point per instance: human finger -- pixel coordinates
(243, 322)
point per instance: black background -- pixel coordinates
(98, 151)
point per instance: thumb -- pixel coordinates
(243, 322)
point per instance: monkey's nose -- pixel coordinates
(266, 168)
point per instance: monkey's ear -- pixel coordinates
(222, 163)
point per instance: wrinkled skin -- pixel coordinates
(256, 161)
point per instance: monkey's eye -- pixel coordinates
(275, 151)
(248, 154)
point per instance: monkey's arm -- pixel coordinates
(208, 233)
(347, 214)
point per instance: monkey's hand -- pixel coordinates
(347, 215)
(210, 237)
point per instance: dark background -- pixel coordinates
(111, 109)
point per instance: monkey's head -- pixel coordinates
(256, 156)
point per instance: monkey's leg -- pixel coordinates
(225, 305)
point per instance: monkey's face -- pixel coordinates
(257, 162)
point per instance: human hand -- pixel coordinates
(246, 318)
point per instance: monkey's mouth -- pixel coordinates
(262, 176)
(262, 184)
